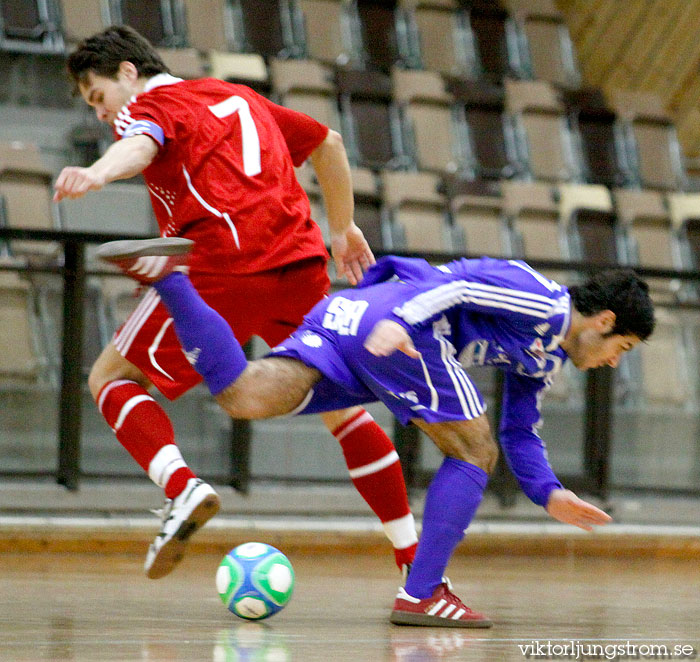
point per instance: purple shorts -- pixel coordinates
(434, 388)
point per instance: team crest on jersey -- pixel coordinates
(541, 329)
(310, 339)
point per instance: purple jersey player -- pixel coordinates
(440, 319)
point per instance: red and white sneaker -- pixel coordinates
(443, 609)
(147, 260)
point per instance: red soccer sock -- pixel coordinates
(376, 472)
(145, 431)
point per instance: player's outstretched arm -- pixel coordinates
(565, 506)
(125, 158)
(351, 253)
(388, 336)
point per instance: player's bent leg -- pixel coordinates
(144, 429)
(451, 502)
(268, 387)
(376, 473)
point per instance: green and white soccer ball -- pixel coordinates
(255, 580)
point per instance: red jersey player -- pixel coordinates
(218, 160)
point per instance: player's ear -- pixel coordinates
(605, 321)
(128, 70)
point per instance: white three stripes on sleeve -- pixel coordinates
(443, 297)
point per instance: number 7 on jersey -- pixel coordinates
(249, 133)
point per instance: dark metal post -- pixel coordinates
(407, 443)
(240, 436)
(71, 366)
(598, 427)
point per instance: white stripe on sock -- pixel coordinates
(164, 464)
(374, 467)
(128, 406)
(401, 531)
(360, 420)
(108, 388)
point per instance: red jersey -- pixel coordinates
(224, 173)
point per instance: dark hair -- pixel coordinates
(623, 292)
(102, 53)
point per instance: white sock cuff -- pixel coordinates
(164, 464)
(402, 531)
(365, 417)
(108, 388)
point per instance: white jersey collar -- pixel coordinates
(160, 79)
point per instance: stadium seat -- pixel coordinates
(493, 38)
(477, 213)
(492, 151)
(685, 214)
(433, 132)
(418, 212)
(651, 140)
(26, 362)
(25, 184)
(649, 228)
(308, 87)
(384, 34)
(160, 21)
(209, 24)
(442, 36)
(550, 52)
(598, 138)
(267, 29)
(327, 33)
(30, 26)
(245, 68)
(545, 143)
(370, 120)
(81, 19)
(586, 210)
(185, 63)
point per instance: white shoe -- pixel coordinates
(182, 516)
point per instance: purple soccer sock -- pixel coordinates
(453, 497)
(207, 339)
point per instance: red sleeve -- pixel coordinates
(302, 133)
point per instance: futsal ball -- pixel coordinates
(255, 580)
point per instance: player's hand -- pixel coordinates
(388, 336)
(352, 254)
(566, 507)
(74, 182)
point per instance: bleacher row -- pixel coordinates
(466, 125)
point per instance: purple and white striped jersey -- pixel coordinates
(465, 313)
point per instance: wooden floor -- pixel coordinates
(101, 607)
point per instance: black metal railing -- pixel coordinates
(598, 396)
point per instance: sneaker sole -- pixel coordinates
(172, 552)
(408, 618)
(131, 248)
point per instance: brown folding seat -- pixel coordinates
(185, 63)
(370, 120)
(30, 26)
(550, 50)
(651, 140)
(592, 229)
(598, 138)
(327, 31)
(418, 212)
(308, 87)
(26, 186)
(647, 220)
(431, 120)
(209, 25)
(477, 212)
(243, 68)
(441, 31)
(494, 40)
(685, 214)
(82, 19)
(23, 360)
(492, 151)
(545, 142)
